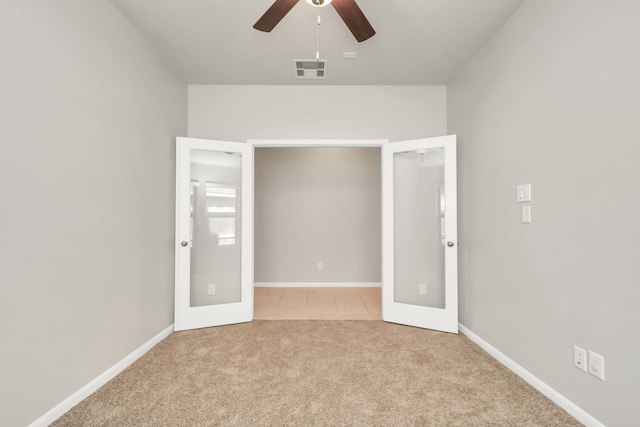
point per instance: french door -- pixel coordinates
(419, 277)
(214, 233)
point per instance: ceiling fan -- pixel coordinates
(347, 9)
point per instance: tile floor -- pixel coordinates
(317, 304)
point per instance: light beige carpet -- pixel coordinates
(316, 373)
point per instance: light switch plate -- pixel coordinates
(596, 365)
(526, 214)
(523, 193)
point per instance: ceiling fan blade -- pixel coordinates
(354, 18)
(274, 14)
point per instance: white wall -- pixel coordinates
(553, 100)
(238, 113)
(89, 118)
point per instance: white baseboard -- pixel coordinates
(535, 382)
(317, 284)
(104, 378)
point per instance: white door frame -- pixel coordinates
(309, 143)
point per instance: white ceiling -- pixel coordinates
(417, 42)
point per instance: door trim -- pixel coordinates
(310, 143)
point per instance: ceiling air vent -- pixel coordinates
(309, 68)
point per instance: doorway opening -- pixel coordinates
(317, 232)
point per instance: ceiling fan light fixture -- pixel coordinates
(319, 3)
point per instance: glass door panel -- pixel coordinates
(214, 264)
(216, 244)
(419, 207)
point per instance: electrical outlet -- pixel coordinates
(580, 358)
(422, 289)
(212, 289)
(596, 365)
(320, 266)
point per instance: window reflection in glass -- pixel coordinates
(221, 208)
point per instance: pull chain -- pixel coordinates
(318, 40)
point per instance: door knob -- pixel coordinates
(450, 244)
(183, 243)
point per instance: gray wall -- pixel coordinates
(554, 100)
(238, 113)
(317, 205)
(89, 118)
